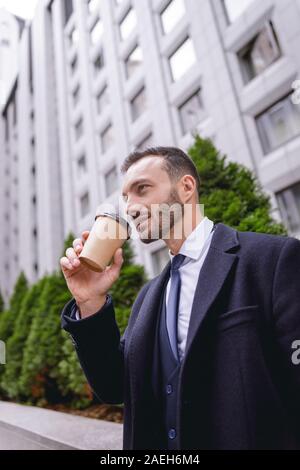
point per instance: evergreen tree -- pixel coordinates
(9, 316)
(230, 192)
(16, 342)
(71, 380)
(43, 345)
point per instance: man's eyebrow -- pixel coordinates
(135, 183)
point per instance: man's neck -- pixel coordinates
(173, 242)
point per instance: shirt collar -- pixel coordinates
(193, 244)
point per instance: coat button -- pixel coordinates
(172, 433)
(169, 389)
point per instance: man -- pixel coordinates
(206, 361)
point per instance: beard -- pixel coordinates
(163, 221)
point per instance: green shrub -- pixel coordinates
(16, 343)
(230, 192)
(43, 347)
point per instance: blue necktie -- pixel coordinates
(173, 302)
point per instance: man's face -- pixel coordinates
(149, 195)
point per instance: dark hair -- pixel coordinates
(175, 162)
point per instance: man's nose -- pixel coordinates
(134, 210)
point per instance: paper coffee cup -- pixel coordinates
(109, 232)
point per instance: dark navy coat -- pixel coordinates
(239, 387)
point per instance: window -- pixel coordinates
(85, 204)
(289, 205)
(74, 36)
(261, 52)
(182, 59)
(145, 143)
(234, 8)
(107, 138)
(102, 99)
(278, 124)
(138, 104)
(159, 260)
(171, 15)
(99, 63)
(68, 7)
(74, 64)
(96, 32)
(82, 165)
(191, 112)
(79, 129)
(133, 61)
(111, 181)
(76, 95)
(93, 5)
(128, 24)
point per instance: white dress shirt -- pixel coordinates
(195, 248)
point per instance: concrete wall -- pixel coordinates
(32, 428)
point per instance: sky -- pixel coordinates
(23, 8)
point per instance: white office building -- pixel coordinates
(96, 79)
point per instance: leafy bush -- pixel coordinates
(230, 192)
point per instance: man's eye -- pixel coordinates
(142, 186)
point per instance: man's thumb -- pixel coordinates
(118, 257)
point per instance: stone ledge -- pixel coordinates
(28, 427)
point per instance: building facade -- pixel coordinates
(96, 79)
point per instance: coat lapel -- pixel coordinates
(213, 274)
(140, 350)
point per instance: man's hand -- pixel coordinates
(88, 287)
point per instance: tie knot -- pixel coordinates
(177, 261)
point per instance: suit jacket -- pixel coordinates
(238, 386)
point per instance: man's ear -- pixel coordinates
(188, 185)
